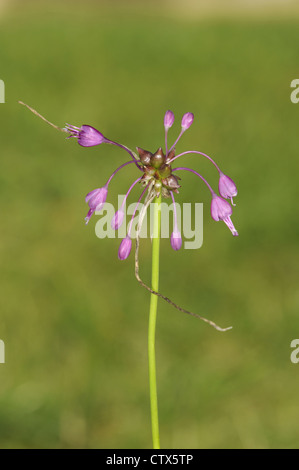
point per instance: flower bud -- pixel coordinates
(164, 170)
(125, 248)
(187, 120)
(170, 155)
(145, 156)
(171, 183)
(158, 158)
(227, 187)
(168, 119)
(176, 240)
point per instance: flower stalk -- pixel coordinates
(152, 323)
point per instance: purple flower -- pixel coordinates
(187, 120)
(87, 136)
(168, 119)
(158, 175)
(176, 240)
(222, 210)
(96, 199)
(227, 187)
(125, 248)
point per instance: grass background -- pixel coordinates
(72, 316)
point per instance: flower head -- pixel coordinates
(157, 175)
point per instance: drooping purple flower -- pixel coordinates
(227, 187)
(87, 136)
(96, 200)
(222, 210)
(176, 240)
(125, 248)
(187, 120)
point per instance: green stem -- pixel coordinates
(152, 323)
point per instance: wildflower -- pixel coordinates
(158, 175)
(187, 120)
(158, 178)
(227, 187)
(176, 240)
(168, 120)
(96, 200)
(222, 210)
(125, 248)
(87, 136)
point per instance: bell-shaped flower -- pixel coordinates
(87, 136)
(222, 210)
(125, 248)
(96, 200)
(176, 240)
(227, 187)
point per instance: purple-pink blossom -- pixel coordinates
(87, 136)
(125, 248)
(222, 210)
(187, 120)
(96, 200)
(227, 187)
(176, 240)
(168, 119)
(156, 174)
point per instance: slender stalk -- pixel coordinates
(152, 323)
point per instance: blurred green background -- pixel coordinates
(73, 317)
